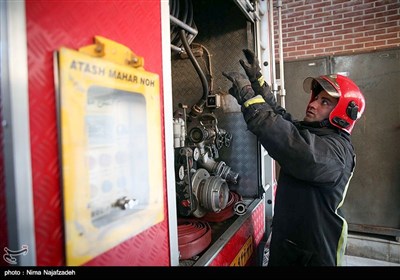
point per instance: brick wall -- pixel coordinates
(313, 28)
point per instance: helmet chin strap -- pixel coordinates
(324, 123)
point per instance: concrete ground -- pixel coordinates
(367, 251)
(359, 261)
(372, 251)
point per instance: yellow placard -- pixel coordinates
(244, 254)
(111, 151)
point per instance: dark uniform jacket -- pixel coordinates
(316, 165)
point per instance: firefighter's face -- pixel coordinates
(320, 108)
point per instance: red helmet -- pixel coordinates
(351, 103)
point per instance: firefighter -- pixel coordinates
(316, 159)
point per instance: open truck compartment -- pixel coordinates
(217, 160)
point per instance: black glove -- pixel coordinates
(253, 71)
(241, 88)
(252, 67)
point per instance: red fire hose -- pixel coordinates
(194, 236)
(225, 213)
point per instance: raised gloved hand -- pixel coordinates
(253, 71)
(241, 87)
(252, 67)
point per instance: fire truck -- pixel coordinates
(122, 146)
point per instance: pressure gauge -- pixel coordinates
(181, 172)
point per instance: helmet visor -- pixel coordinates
(310, 84)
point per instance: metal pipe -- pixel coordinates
(183, 25)
(249, 6)
(272, 50)
(176, 49)
(281, 62)
(264, 40)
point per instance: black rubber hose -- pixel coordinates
(195, 64)
(175, 7)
